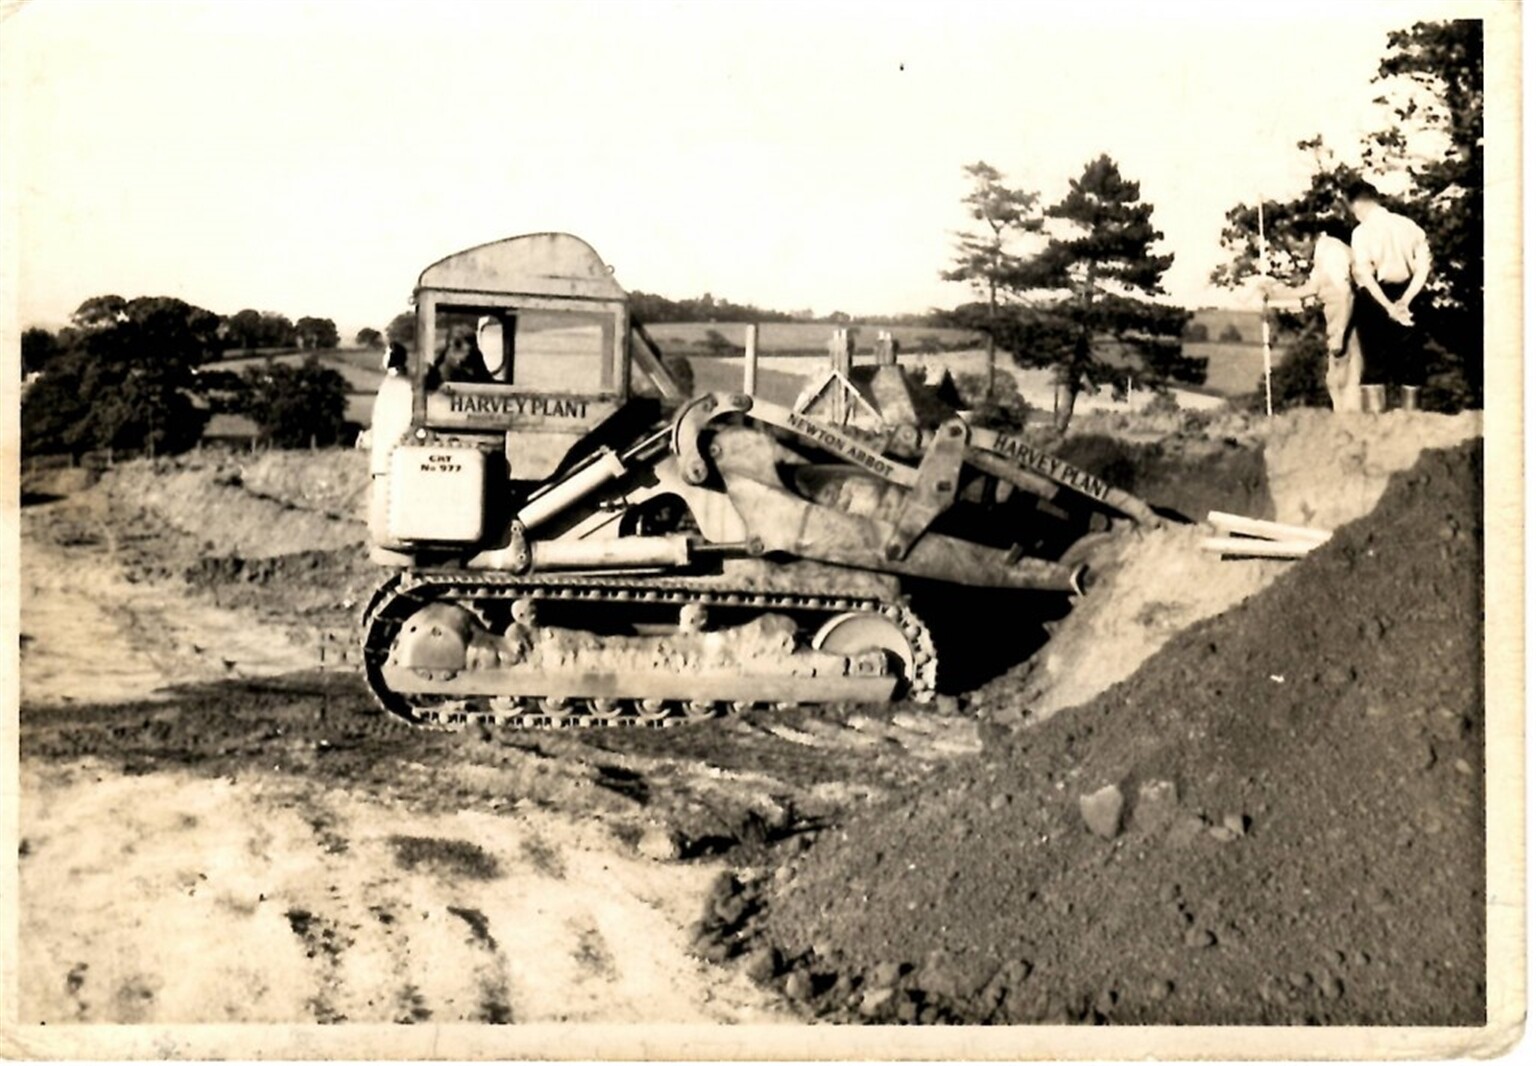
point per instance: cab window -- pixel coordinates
(552, 350)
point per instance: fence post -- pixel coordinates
(749, 364)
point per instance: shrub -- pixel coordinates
(717, 343)
(1298, 379)
(1006, 409)
(295, 406)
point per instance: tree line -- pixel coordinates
(648, 307)
(132, 374)
(244, 331)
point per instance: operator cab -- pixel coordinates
(524, 336)
(524, 358)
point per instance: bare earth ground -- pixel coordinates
(209, 834)
(217, 826)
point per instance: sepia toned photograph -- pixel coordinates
(713, 531)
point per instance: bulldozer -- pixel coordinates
(576, 539)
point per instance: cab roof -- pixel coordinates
(536, 264)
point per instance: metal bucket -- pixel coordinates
(1373, 399)
(1410, 398)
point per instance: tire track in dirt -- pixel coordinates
(491, 974)
(315, 903)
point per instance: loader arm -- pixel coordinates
(932, 483)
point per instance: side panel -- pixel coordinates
(495, 407)
(437, 494)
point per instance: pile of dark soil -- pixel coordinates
(1278, 820)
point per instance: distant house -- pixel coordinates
(229, 430)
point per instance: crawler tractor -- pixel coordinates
(577, 541)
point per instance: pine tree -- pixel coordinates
(1096, 279)
(982, 255)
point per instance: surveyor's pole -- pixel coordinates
(1269, 394)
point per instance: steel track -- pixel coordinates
(405, 593)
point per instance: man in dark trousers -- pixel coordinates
(1391, 265)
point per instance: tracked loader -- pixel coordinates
(578, 542)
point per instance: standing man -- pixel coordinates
(1391, 266)
(1332, 285)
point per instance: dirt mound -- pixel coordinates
(333, 481)
(1183, 476)
(45, 484)
(317, 595)
(1324, 470)
(1277, 821)
(296, 566)
(272, 505)
(1148, 587)
(1313, 468)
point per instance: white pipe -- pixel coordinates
(1258, 527)
(1266, 549)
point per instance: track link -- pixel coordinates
(405, 593)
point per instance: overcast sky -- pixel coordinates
(312, 158)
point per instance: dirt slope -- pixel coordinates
(252, 506)
(1278, 820)
(1323, 470)
(1309, 467)
(1148, 587)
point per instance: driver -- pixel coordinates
(461, 360)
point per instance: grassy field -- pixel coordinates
(1232, 369)
(1217, 320)
(803, 338)
(724, 375)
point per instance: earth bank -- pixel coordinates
(1277, 820)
